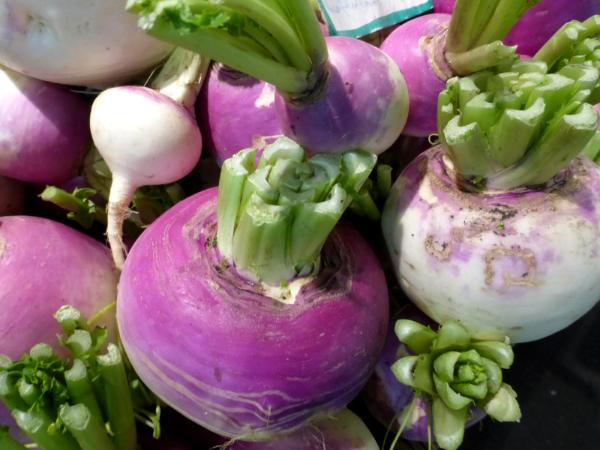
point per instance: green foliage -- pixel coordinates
(456, 373)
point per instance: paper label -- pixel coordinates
(357, 18)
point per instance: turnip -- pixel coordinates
(432, 48)
(539, 23)
(75, 42)
(12, 196)
(44, 264)
(147, 136)
(235, 111)
(44, 129)
(342, 431)
(499, 227)
(238, 314)
(333, 94)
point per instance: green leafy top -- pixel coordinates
(275, 215)
(520, 124)
(456, 372)
(278, 41)
(69, 404)
(474, 39)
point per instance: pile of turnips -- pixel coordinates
(256, 310)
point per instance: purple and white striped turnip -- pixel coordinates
(44, 130)
(333, 95)
(233, 311)
(499, 227)
(539, 23)
(75, 42)
(147, 136)
(432, 48)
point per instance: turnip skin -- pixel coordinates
(417, 48)
(75, 42)
(44, 130)
(237, 362)
(235, 111)
(363, 104)
(521, 264)
(44, 265)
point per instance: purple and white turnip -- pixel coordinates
(333, 94)
(499, 227)
(82, 42)
(147, 136)
(237, 322)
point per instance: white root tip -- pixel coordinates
(121, 194)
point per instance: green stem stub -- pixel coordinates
(477, 28)
(86, 403)
(275, 215)
(520, 125)
(278, 41)
(456, 373)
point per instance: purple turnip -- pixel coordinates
(44, 131)
(230, 311)
(235, 111)
(432, 48)
(43, 265)
(333, 95)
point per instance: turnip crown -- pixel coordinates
(521, 124)
(275, 215)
